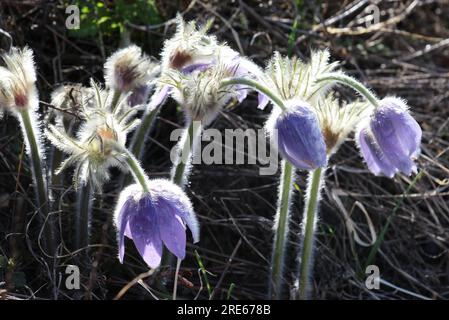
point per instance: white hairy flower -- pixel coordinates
(98, 142)
(201, 93)
(291, 78)
(18, 80)
(338, 119)
(128, 69)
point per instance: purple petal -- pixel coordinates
(263, 101)
(242, 93)
(195, 67)
(376, 161)
(145, 233)
(159, 96)
(398, 136)
(123, 225)
(171, 228)
(139, 96)
(299, 138)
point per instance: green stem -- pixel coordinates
(350, 82)
(179, 175)
(139, 136)
(138, 173)
(257, 86)
(83, 216)
(39, 177)
(281, 231)
(115, 100)
(309, 221)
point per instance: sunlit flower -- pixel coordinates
(128, 69)
(18, 80)
(337, 119)
(200, 92)
(94, 149)
(391, 140)
(155, 218)
(291, 78)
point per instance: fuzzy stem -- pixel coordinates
(309, 221)
(179, 173)
(83, 217)
(115, 100)
(350, 82)
(175, 285)
(38, 177)
(281, 231)
(138, 140)
(256, 86)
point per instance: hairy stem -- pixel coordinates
(350, 82)
(39, 176)
(180, 172)
(256, 86)
(281, 231)
(83, 217)
(137, 171)
(308, 224)
(139, 136)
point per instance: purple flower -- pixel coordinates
(139, 95)
(299, 138)
(392, 141)
(155, 219)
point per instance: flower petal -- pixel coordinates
(398, 136)
(262, 100)
(376, 161)
(171, 228)
(122, 225)
(299, 138)
(145, 232)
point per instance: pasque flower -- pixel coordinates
(155, 218)
(200, 92)
(94, 149)
(299, 138)
(18, 80)
(128, 69)
(390, 140)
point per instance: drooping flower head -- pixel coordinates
(18, 80)
(297, 135)
(154, 219)
(94, 149)
(128, 68)
(390, 139)
(297, 131)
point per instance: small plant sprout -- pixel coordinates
(18, 94)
